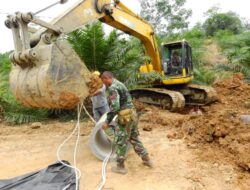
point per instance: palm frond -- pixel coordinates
(99, 52)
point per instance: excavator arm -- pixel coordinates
(46, 71)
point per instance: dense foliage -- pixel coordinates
(223, 21)
(237, 50)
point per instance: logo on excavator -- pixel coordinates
(127, 22)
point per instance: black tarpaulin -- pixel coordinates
(54, 177)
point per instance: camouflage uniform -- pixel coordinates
(120, 99)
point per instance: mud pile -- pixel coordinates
(219, 134)
(222, 123)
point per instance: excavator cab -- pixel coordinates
(177, 59)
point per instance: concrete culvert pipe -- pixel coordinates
(100, 141)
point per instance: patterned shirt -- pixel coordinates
(119, 99)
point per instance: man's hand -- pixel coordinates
(105, 126)
(96, 93)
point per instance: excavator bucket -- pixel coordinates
(49, 76)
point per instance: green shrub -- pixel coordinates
(237, 50)
(204, 76)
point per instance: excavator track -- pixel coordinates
(167, 99)
(176, 98)
(198, 94)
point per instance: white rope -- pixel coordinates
(86, 111)
(105, 161)
(104, 166)
(77, 170)
(77, 128)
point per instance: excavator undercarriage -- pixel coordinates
(175, 98)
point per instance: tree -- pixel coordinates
(246, 23)
(124, 60)
(90, 44)
(222, 21)
(212, 11)
(166, 16)
(99, 52)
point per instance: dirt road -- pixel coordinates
(23, 150)
(191, 152)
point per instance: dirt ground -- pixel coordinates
(190, 151)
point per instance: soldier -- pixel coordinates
(120, 103)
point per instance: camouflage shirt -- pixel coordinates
(119, 99)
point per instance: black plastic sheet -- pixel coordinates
(54, 177)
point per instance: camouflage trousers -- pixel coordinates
(125, 134)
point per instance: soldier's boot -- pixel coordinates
(147, 162)
(120, 168)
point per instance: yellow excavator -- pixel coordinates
(47, 73)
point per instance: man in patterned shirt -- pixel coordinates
(126, 131)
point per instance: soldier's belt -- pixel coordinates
(125, 116)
